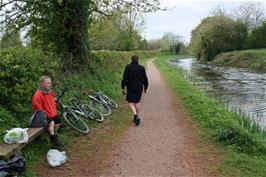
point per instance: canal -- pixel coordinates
(241, 90)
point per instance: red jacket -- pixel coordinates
(45, 102)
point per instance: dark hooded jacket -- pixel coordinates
(134, 77)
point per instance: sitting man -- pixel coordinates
(44, 99)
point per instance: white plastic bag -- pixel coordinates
(16, 135)
(56, 158)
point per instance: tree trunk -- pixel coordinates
(76, 34)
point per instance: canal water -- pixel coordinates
(243, 91)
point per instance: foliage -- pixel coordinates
(10, 40)
(173, 41)
(7, 120)
(254, 59)
(257, 37)
(62, 29)
(62, 26)
(20, 69)
(157, 44)
(241, 140)
(217, 34)
(251, 14)
(121, 31)
(169, 43)
(103, 35)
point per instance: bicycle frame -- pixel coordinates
(95, 98)
(105, 99)
(76, 112)
(100, 97)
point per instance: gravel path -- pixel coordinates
(165, 143)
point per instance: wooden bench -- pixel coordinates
(7, 150)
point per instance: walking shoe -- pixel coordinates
(135, 118)
(137, 121)
(56, 141)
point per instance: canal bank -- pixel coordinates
(242, 151)
(253, 59)
(240, 90)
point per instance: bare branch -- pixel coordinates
(250, 13)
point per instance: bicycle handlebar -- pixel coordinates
(61, 95)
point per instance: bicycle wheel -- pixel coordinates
(110, 101)
(104, 109)
(92, 113)
(75, 122)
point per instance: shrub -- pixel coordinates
(20, 69)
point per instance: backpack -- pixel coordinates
(15, 165)
(38, 119)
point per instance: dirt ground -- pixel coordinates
(165, 144)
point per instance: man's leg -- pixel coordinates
(51, 128)
(57, 122)
(134, 111)
(132, 108)
(51, 131)
(137, 107)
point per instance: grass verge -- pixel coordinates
(243, 152)
(253, 59)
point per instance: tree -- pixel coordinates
(103, 34)
(10, 40)
(174, 42)
(158, 44)
(257, 37)
(250, 13)
(217, 34)
(143, 45)
(121, 31)
(130, 23)
(62, 25)
(218, 11)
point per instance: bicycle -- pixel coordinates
(72, 116)
(97, 104)
(90, 112)
(104, 98)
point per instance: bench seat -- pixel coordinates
(7, 150)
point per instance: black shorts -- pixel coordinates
(133, 96)
(56, 120)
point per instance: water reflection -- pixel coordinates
(240, 88)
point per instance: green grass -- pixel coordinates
(254, 59)
(242, 152)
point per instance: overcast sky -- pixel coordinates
(185, 16)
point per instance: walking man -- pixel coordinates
(43, 99)
(135, 80)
